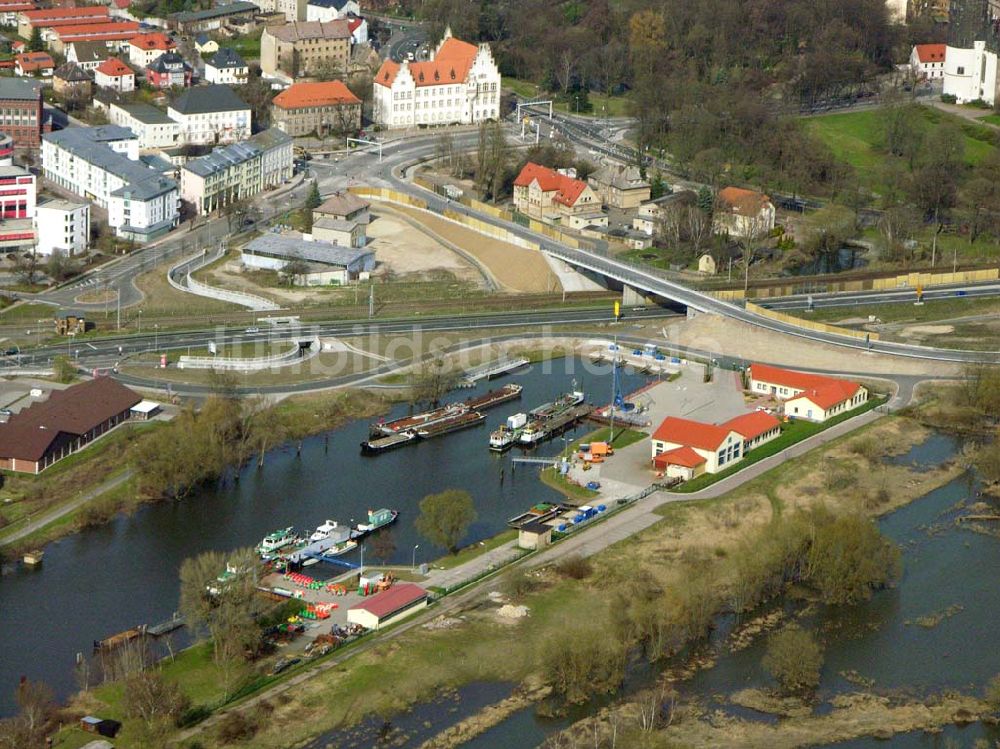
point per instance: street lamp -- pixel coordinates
(156, 336)
(413, 561)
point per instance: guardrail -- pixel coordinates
(192, 286)
(248, 364)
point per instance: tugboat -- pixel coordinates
(274, 542)
(376, 519)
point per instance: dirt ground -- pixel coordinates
(514, 267)
(406, 251)
(712, 333)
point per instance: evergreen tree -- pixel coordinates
(705, 199)
(35, 43)
(315, 199)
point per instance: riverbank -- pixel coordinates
(701, 536)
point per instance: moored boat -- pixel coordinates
(376, 519)
(324, 531)
(276, 541)
(462, 421)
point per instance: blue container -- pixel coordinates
(601, 508)
(561, 528)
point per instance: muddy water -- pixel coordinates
(948, 582)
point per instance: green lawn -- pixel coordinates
(992, 119)
(932, 310)
(247, 46)
(471, 552)
(856, 137)
(791, 433)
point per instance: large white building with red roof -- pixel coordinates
(460, 84)
(807, 396)
(548, 194)
(684, 449)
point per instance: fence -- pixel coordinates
(191, 286)
(248, 364)
(809, 324)
(936, 279)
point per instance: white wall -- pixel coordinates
(203, 128)
(63, 229)
(226, 76)
(970, 74)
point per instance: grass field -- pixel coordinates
(856, 138)
(992, 119)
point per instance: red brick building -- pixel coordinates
(21, 111)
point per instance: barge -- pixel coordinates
(462, 421)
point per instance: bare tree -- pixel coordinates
(293, 270)
(26, 267)
(699, 227)
(754, 231)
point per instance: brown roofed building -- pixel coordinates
(344, 206)
(321, 108)
(548, 194)
(741, 212)
(296, 49)
(45, 432)
(72, 82)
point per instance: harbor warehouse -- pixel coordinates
(315, 262)
(384, 608)
(49, 430)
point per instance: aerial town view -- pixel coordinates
(487, 374)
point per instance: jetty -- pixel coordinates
(174, 622)
(493, 369)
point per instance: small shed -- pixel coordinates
(381, 609)
(534, 534)
(145, 410)
(70, 323)
(102, 726)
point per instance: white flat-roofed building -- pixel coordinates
(62, 225)
(460, 84)
(154, 129)
(102, 165)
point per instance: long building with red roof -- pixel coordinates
(459, 84)
(807, 396)
(683, 448)
(548, 194)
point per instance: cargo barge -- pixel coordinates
(389, 435)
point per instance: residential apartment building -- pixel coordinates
(145, 48)
(102, 165)
(115, 75)
(169, 70)
(37, 64)
(237, 171)
(321, 108)
(620, 186)
(210, 114)
(331, 10)
(927, 61)
(21, 114)
(227, 68)
(550, 195)
(88, 55)
(740, 213)
(152, 127)
(11, 9)
(62, 225)
(292, 10)
(297, 49)
(72, 82)
(651, 216)
(459, 85)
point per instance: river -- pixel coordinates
(943, 567)
(107, 579)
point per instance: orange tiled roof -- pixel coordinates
(450, 65)
(743, 202)
(930, 52)
(680, 456)
(155, 40)
(753, 424)
(31, 61)
(567, 189)
(315, 95)
(55, 13)
(823, 391)
(691, 433)
(122, 30)
(114, 67)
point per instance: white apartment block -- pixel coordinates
(237, 171)
(101, 164)
(153, 128)
(331, 10)
(460, 84)
(210, 114)
(62, 225)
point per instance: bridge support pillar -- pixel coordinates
(632, 297)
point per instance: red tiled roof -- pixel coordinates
(752, 425)
(51, 14)
(114, 67)
(567, 189)
(691, 433)
(31, 61)
(743, 202)
(823, 391)
(74, 411)
(154, 40)
(390, 601)
(97, 31)
(930, 52)
(353, 22)
(450, 65)
(315, 95)
(680, 456)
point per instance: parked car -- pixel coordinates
(252, 329)
(283, 664)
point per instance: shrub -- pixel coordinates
(949, 98)
(575, 567)
(993, 693)
(516, 583)
(236, 727)
(794, 658)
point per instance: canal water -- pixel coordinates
(108, 579)
(945, 570)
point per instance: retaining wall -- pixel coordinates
(809, 324)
